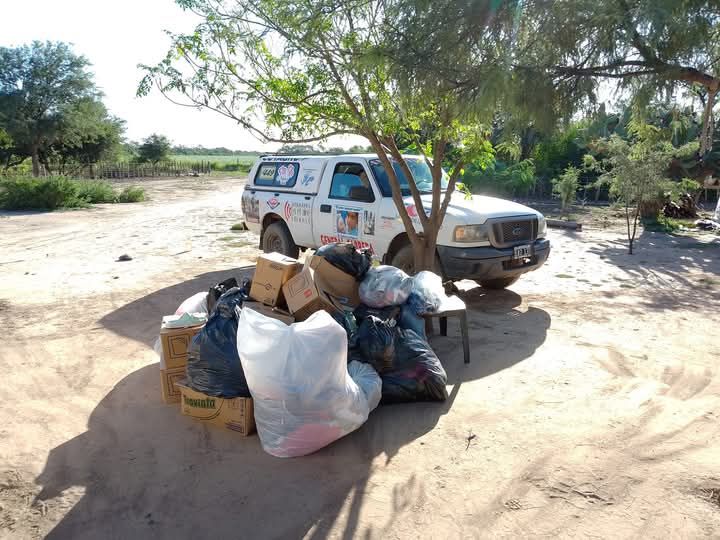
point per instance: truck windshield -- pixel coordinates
(419, 169)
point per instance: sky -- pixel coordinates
(116, 36)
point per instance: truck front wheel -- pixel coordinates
(498, 283)
(277, 238)
(405, 261)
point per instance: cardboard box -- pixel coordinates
(273, 270)
(343, 288)
(304, 297)
(272, 312)
(175, 343)
(168, 379)
(236, 414)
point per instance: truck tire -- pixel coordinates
(498, 283)
(277, 238)
(405, 261)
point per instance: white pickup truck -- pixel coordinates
(299, 202)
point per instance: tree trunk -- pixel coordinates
(708, 124)
(35, 155)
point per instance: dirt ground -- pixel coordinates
(591, 407)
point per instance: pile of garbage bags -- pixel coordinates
(317, 380)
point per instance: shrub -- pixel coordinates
(501, 179)
(95, 192)
(25, 193)
(49, 193)
(566, 185)
(130, 194)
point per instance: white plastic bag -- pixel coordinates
(385, 286)
(197, 303)
(427, 293)
(303, 396)
(368, 380)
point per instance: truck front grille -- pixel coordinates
(508, 233)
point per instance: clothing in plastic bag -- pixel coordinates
(385, 286)
(368, 380)
(347, 258)
(197, 303)
(375, 341)
(216, 291)
(416, 375)
(427, 293)
(213, 365)
(303, 396)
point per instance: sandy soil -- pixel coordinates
(591, 407)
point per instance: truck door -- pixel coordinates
(347, 203)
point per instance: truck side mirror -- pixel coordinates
(361, 193)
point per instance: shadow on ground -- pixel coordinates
(670, 264)
(149, 472)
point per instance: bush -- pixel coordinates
(566, 185)
(24, 193)
(95, 192)
(49, 193)
(501, 179)
(131, 194)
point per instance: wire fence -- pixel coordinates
(138, 170)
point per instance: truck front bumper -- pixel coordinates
(487, 262)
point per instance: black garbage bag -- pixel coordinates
(404, 315)
(416, 374)
(213, 365)
(375, 342)
(216, 291)
(386, 313)
(347, 258)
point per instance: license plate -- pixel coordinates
(521, 252)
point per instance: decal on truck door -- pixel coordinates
(368, 222)
(297, 212)
(347, 221)
(273, 203)
(251, 208)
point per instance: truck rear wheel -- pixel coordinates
(498, 283)
(277, 238)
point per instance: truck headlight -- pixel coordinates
(470, 233)
(542, 227)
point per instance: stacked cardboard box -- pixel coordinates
(320, 285)
(175, 343)
(271, 273)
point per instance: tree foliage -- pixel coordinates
(51, 110)
(636, 173)
(649, 47)
(154, 148)
(397, 72)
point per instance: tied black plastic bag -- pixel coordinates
(216, 291)
(375, 342)
(347, 258)
(416, 375)
(213, 366)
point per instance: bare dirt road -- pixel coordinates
(591, 407)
